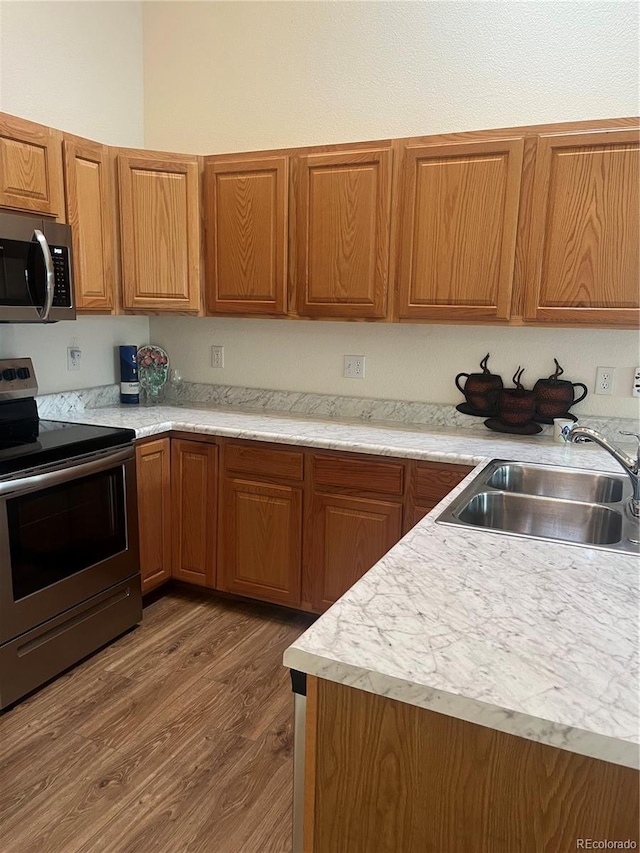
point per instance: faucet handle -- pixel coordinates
(637, 438)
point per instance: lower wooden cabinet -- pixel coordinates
(347, 536)
(261, 540)
(273, 522)
(194, 476)
(153, 472)
(430, 483)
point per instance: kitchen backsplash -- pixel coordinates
(315, 405)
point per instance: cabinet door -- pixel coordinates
(194, 474)
(585, 253)
(261, 530)
(430, 483)
(246, 224)
(30, 167)
(154, 511)
(348, 536)
(160, 231)
(341, 236)
(459, 217)
(89, 192)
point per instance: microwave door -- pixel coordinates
(21, 267)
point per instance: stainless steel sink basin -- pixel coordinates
(544, 518)
(548, 502)
(589, 486)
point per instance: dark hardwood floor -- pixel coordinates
(176, 738)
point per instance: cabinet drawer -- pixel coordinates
(361, 475)
(264, 461)
(433, 480)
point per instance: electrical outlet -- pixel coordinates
(635, 391)
(217, 356)
(353, 367)
(604, 380)
(74, 356)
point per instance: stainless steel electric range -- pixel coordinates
(69, 563)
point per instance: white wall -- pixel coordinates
(76, 66)
(402, 362)
(97, 337)
(243, 75)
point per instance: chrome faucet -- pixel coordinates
(630, 465)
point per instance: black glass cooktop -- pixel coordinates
(28, 442)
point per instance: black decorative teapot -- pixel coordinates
(480, 390)
(554, 396)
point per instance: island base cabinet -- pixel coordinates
(389, 777)
(261, 535)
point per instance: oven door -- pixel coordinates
(66, 533)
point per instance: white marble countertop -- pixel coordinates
(532, 638)
(432, 443)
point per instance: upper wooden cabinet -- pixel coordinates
(341, 233)
(90, 212)
(584, 250)
(160, 232)
(30, 167)
(459, 217)
(246, 215)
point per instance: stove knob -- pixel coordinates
(23, 373)
(9, 374)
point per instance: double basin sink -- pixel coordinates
(548, 502)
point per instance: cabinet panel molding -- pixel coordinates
(585, 233)
(153, 474)
(194, 474)
(459, 219)
(247, 229)
(30, 167)
(160, 232)
(89, 196)
(261, 543)
(346, 536)
(342, 233)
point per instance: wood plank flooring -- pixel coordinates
(177, 738)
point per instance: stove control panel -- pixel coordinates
(17, 379)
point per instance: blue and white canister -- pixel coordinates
(129, 382)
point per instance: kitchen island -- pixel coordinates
(474, 692)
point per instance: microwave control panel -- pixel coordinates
(62, 276)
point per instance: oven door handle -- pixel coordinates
(50, 280)
(33, 482)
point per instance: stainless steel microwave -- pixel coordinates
(36, 284)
